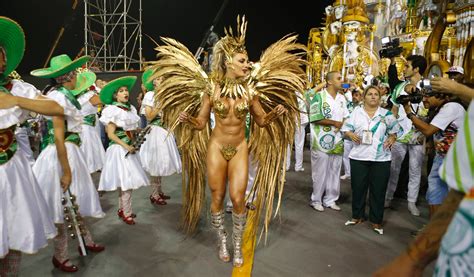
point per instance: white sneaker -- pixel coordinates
(318, 207)
(334, 207)
(413, 209)
(388, 203)
(299, 169)
(378, 230)
(345, 177)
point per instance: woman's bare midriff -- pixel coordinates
(228, 132)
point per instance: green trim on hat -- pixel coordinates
(12, 39)
(60, 65)
(83, 82)
(107, 92)
(147, 81)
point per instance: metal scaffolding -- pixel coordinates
(112, 33)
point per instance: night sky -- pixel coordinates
(184, 20)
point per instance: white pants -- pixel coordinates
(348, 144)
(399, 151)
(299, 147)
(325, 170)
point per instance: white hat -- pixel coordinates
(456, 69)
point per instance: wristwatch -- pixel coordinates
(410, 115)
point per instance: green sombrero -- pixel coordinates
(84, 81)
(60, 65)
(107, 92)
(147, 79)
(12, 39)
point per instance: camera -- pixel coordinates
(390, 48)
(426, 86)
(415, 97)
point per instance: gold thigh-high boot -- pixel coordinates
(238, 230)
(217, 223)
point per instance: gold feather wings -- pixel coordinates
(183, 86)
(275, 79)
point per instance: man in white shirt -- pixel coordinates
(409, 139)
(444, 128)
(327, 113)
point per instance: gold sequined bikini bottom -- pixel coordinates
(228, 151)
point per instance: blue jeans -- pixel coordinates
(437, 188)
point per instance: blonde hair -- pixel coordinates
(370, 87)
(220, 57)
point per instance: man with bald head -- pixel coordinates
(328, 110)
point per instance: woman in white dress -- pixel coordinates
(122, 169)
(91, 144)
(159, 154)
(61, 165)
(25, 224)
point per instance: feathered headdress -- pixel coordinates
(227, 46)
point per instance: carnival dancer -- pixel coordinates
(187, 95)
(159, 154)
(25, 224)
(91, 145)
(122, 170)
(61, 165)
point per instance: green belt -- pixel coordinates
(156, 121)
(8, 144)
(124, 136)
(49, 138)
(90, 120)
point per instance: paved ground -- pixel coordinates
(302, 242)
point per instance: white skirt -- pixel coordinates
(48, 172)
(91, 146)
(159, 154)
(120, 172)
(25, 224)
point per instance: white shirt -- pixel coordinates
(449, 118)
(72, 115)
(458, 165)
(323, 106)
(127, 120)
(382, 124)
(407, 132)
(86, 107)
(148, 100)
(15, 115)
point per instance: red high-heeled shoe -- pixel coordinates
(96, 248)
(120, 214)
(164, 196)
(158, 201)
(129, 220)
(63, 267)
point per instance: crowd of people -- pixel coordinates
(365, 132)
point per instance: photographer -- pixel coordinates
(456, 255)
(409, 138)
(448, 116)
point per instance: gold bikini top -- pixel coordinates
(222, 110)
(235, 89)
